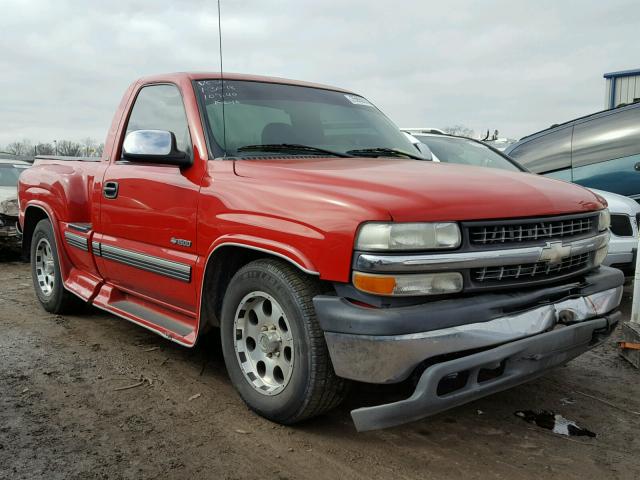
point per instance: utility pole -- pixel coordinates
(55, 146)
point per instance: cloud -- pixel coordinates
(515, 66)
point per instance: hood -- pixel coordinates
(619, 203)
(414, 190)
(9, 201)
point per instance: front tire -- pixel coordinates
(45, 271)
(273, 347)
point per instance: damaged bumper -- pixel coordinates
(517, 336)
(488, 372)
(9, 233)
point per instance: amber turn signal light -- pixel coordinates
(376, 284)
(408, 285)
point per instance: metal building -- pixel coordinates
(622, 87)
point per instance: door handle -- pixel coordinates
(110, 190)
(636, 167)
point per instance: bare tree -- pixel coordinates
(22, 148)
(459, 130)
(99, 150)
(67, 148)
(44, 149)
(89, 145)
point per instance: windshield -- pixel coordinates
(9, 174)
(263, 118)
(466, 152)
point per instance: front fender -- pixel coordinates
(282, 250)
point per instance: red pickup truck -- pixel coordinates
(300, 221)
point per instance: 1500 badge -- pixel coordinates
(180, 241)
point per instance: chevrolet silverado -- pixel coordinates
(300, 221)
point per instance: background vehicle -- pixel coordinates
(600, 151)
(303, 223)
(500, 144)
(421, 147)
(423, 130)
(625, 220)
(625, 212)
(9, 173)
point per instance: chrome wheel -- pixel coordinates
(263, 343)
(45, 269)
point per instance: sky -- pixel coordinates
(512, 65)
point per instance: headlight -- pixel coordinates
(604, 220)
(408, 285)
(408, 236)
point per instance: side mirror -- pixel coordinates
(154, 146)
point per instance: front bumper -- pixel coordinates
(9, 235)
(378, 345)
(517, 362)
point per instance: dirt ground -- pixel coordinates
(64, 413)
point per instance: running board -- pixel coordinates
(166, 322)
(159, 319)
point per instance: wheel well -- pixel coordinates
(31, 218)
(221, 267)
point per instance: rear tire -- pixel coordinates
(273, 347)
(45, 272)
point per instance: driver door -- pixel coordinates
(148, 212)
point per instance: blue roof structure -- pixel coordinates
(613, 76)
(622, 73)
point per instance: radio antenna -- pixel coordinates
(224, 122)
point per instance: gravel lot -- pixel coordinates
(64, 414)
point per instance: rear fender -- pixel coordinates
(27, 227)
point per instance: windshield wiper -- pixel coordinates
(383, 151)
(291, 148)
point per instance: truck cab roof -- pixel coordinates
(176, 77)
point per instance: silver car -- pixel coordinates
(9, 172)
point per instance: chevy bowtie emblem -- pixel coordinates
(554, 253)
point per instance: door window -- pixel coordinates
(617, 176)
(160, 107)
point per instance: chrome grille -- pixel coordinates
(515, 232)
(530, 271)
